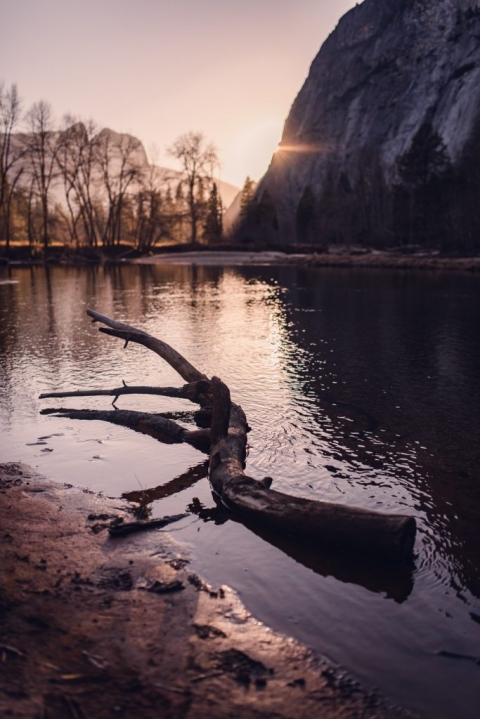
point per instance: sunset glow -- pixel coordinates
(301, 147)
(157, 70)
(239, 359)
(254, 145)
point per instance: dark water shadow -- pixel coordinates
(395, 582)
(175, 486)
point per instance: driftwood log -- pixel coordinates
(389, 536)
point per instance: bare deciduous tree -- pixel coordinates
(11, 153)
(42, 146)
(77, 162)
(154, 218)
(119, 171)
(198, 160)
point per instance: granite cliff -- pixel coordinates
(390, 71)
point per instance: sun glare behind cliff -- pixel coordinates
(255, 144)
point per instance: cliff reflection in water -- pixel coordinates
(390, 363)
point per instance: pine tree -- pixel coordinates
(213, 227)
(306, 216)
(246, 199)
(425, 160)
(424, 171)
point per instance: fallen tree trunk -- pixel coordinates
(389, 536)
(383, 535)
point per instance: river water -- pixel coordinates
(361, 387)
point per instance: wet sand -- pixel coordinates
(93, 626)
(222, 258)
(373, 260)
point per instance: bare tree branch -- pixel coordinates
(131, 334)
(389, 536)
(189, 391)
(161, 428)
(197, 160)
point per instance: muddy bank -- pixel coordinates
(217, 257)
(99, 627)
(374, 260)
(236, 256)
(391, 261)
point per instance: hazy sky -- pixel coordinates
(157, 68)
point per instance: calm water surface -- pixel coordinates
(361, 387)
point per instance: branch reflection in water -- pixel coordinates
(395, 582)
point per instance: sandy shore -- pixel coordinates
(95, 627)
(216, 258)
(373, 260)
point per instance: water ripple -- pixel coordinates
(354, 395)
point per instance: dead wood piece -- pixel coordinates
(350, 528)
(190, 391)
(161, 428)
(127, 528)
(221, 411)
(166, 587)
(389, 536)
(132, 334)
(203, 417)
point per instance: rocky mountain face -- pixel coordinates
(391, 69)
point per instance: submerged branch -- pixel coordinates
(161, 428)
